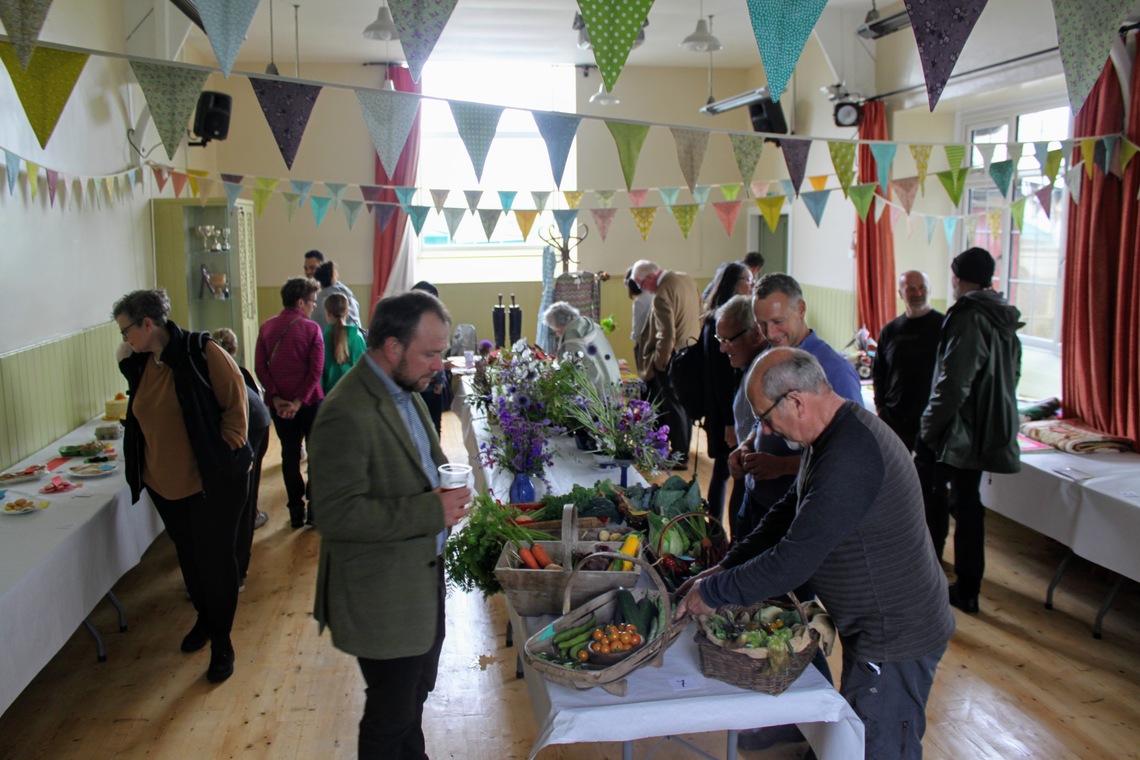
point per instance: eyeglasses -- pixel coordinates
(124, 330)
(763, 418)
(726, 341)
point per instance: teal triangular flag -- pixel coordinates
(301, 187)
(788, 188)
(1105, 150)
(336, 192)
(1041, 153)
(226, 23)
(949, 224)
(351, 211)
(507, 199)
(565, 218)
(320, 207)
(1002, 174)
(669, 195)
(489, 217)
(816, 202)
(884, 154)
(405, 195)
(701, 194)
(476, 123)
(389, 117)
(473, 198)
(781, 28)
(417, 214)
(453, 216)
(931, 223)
(11, 169)
(558, 132)
(233, 190)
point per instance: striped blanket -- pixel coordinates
(1074, 437)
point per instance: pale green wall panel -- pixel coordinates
(831, 313)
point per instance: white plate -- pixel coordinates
(36, 507)
(23, 478)
(97, 470)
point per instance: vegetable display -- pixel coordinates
(593, 645)
(770, 628)
(472, 552)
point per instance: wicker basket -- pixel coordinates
(539, 592)
(739, 669)
(716, 532)
(604, 607)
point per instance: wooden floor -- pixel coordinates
(1017, 681)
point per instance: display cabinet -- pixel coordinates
(204, 257)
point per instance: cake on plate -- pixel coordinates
(116, 407)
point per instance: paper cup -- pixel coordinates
(453, 475)
(469, 358)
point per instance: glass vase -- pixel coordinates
(624, 465)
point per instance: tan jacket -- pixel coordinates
(674, 323)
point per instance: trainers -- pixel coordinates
(260, 520)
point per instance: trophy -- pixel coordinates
(206, 232)
(225, 238)
(216, 236)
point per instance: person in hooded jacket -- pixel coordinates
(579, 334)
(971, 422)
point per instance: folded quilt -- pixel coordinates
(1074, 437)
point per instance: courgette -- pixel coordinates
(576, 631)
(627, 607)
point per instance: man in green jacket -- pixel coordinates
(971, 423)
(373, 467)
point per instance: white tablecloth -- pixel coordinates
(56, 564)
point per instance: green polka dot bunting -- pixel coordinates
(613, 25)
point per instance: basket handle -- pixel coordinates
(678, 518)
(569, 533)
(653, 576)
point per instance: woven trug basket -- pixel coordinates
(734, 667)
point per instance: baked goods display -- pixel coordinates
(116, 407)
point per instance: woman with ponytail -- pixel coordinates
(344, 343)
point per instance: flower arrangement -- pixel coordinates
(518, 442)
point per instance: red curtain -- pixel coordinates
(1100, 352)
(874, 241)
(386, 245)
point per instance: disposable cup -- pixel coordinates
(469, 358)
(453, 475)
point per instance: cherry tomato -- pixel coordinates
(598, 634)
(635, 640)
(625, 638)
(583, 655)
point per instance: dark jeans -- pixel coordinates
(204, 530)
(259, 440)
(718, 487)
(392, 725)
(671, 413)
(935, 494)
(969, 529)
(292, 434)
(735, 500)
(890, 698)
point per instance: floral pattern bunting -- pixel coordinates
(643, 217)
(843, 159)
(691, 147)
(941, 30)
(781, 28)
(603, 217)
(419, 24)
(727, 212)
(43, 85)
(685, 214)
(226, 23)
(557, 132)
(921, 154)
(795, 158)
(389, 117)
(1085, 32)
(286, 106)
(746, 149)
(23, 20)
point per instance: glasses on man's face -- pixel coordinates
(124, 330)
(763, 418)
(726, 341)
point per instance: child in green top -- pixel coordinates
(344, 343)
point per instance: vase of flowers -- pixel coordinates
(522, 489)
(518, 443)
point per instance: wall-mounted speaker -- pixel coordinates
(212, 117)
(768, 116)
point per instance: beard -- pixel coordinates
(410, 384)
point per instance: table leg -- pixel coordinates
(100, 650)
(730, 747)
(119, 608)
(1057, 578)
(1097, 632)
(510, 634)
(627, 751)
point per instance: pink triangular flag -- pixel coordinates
(1045, 198)
(637, 197)
(727, 211)
(603, 217)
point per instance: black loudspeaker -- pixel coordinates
(212, 117)
(768, 116)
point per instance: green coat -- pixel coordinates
(378, 579)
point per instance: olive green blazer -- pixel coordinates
(378, 578)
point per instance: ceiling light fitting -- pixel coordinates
(604, 98)
(702, 39)
(271, 69)
(383, 28)
(848, 113)
(736, 101)
(875, 25)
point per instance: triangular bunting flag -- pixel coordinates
(628, 138)
(52, 181)
(194, 177)
(954, 182)
(637, 197)
(286, 106)
(1002, 174)
(605, 198)
(931, 223)
(603, 217)
(389, 116)
(12, 170)
(993, 221)
(843, 159)
(540, 198)
(987, 151)
(557, 132)
(33, 177)
(438, 198)
(476, 123)
(730, 192)
(759, 189)
(949, 224)
(1085, 32)
(23, 20)
(1044, 197)
(921, 154)
(226, 23)
(320, 206)
(383, 213)
(613, 25)
(770, 208)
(178, 179)
(453, 217)
(417, 214)
(747, 150)
(44, 86)
(669, 194)
(566, 219)
(816, 202)
(643, 217)
(419, 24)
(896, 212)
(1017, 213)
(525, 219)
(573, 197)
(507, 199)
(941, 29)
(701, 194)
(1127, 151)
(880, 204)
(954, 155)
(884, 154)
(1104, 151)
(1073, 182)
(261, 198)
(905, 190)
(1053, 165)
(172, 93)
(489, 217)
(292, 203)
(405, 196)
(473, 197)
(691, 147)
(371, 193)
(781, 28)
(205, 188)
(300, 186)
(727, 211)
(861, 196)
(1088, 150)
(795, 158)
(351, 211)
(1041, 152)
(685, 214)
(787, 188)
(77, 192)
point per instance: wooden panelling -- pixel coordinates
(50, 389)
(832, 314)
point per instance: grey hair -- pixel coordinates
(778, 283)
(225, 338)
(560, 314)
(925, 279)
(797, 371)
(644, 268)
(140, 304)
(738, 310)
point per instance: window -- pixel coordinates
(517, 161)
(1030, 261)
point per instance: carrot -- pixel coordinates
(527, 558)
(540, 555)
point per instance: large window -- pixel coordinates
(517, 161)
(1030, 261)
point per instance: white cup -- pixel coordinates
(454, 475)
(469, 358)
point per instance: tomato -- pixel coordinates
(598, 634)
(625, 638)
(603, 649)
(635, 639)
(583, 655)
(611, 629)
(631, 628)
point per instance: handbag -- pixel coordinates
(686, 377)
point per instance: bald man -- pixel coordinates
(855, 528)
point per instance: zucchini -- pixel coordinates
(627, 607)
(576, 631)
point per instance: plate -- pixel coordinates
(93, 470)
(35, 472)
(23, 507)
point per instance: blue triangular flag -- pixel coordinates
(476, 124)
(669, 195)
(301, 187)
(351, 211)
(931, 223)
(558, 132)
(884, 154)
(233, 190)
(701, 194)
(336, 192)
(383, 213)
(12, 169)
(320, 207)
(565, 218)
(417, 214)
(405, 195)
(815, 201)
(453, 216)
(949, 224)
(226, 23)
(507, 199)
(540, 198)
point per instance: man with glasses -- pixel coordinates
(854, 528)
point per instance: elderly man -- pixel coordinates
(674, 322)
(374, 460)
(580, 334)
(971, 422)
(854, 528)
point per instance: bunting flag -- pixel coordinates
(759, 189)
(1015, 150)
(33, 177)
(1044, 197)
(371, 193)
(417, 214)
(1088, 151)
(1041, 153)
(685, 214)
(921, 154)
(172, 93)
(954, 182)
(452, 217)
(351, 211)
(747, 150)
(473, 197)
(540, 198)
(1053, 165)
(287, 106)
(613, 25)
(701, 194)
(637, 197)
(906, 190)
(226, 23)
(955, 154)
(489, 217)
(818, 182)
(438, 198)
(884, 154)
(861, 196)
(770, 208)
(843, 159)
(993, 221)
(896, 212)
(1017, 213)
(1104, 152)
(320, 206)
(816, 202)
(971, 228)
(383, 213)
(12, 169)
(669, 195)
(557, 132)
(194, 176)
(941, 29)
(292, 203)
(788, 189)
(419, 24)
(643, 217)
(727, 211)
(43, 85)
(603, 217)
(691, 147)
(476, 123)
(261, 198)
(525, 219)
(781, 28)
(389, 116)
(300, 186)
(1002, 175)
(507, 199)
(931, 221)
(1073, 182)
(573, 197)
(23, 20)
(405, 196)
(879, 206)
(336, 191)
(949, 224)
(53, 182)
(566, 219)
(987, 151)
(77, 192)
(178, 179)
(628, 138)
(1127, 151)
(1085, 33)
(605, 197)
(730, 192)
(795, 158)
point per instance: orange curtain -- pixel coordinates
(1100, 333)
(874, 241)
(386, 245)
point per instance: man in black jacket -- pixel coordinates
(971, 420)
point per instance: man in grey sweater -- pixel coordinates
(855, 527)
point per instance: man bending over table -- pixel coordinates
(854, 526)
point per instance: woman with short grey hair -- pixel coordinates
(581, 335)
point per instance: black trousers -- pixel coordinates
(293, 433)
(204, 531)
(392, 725)
(259, 440)
(935, 494)
(671, 413)
(969, 528)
